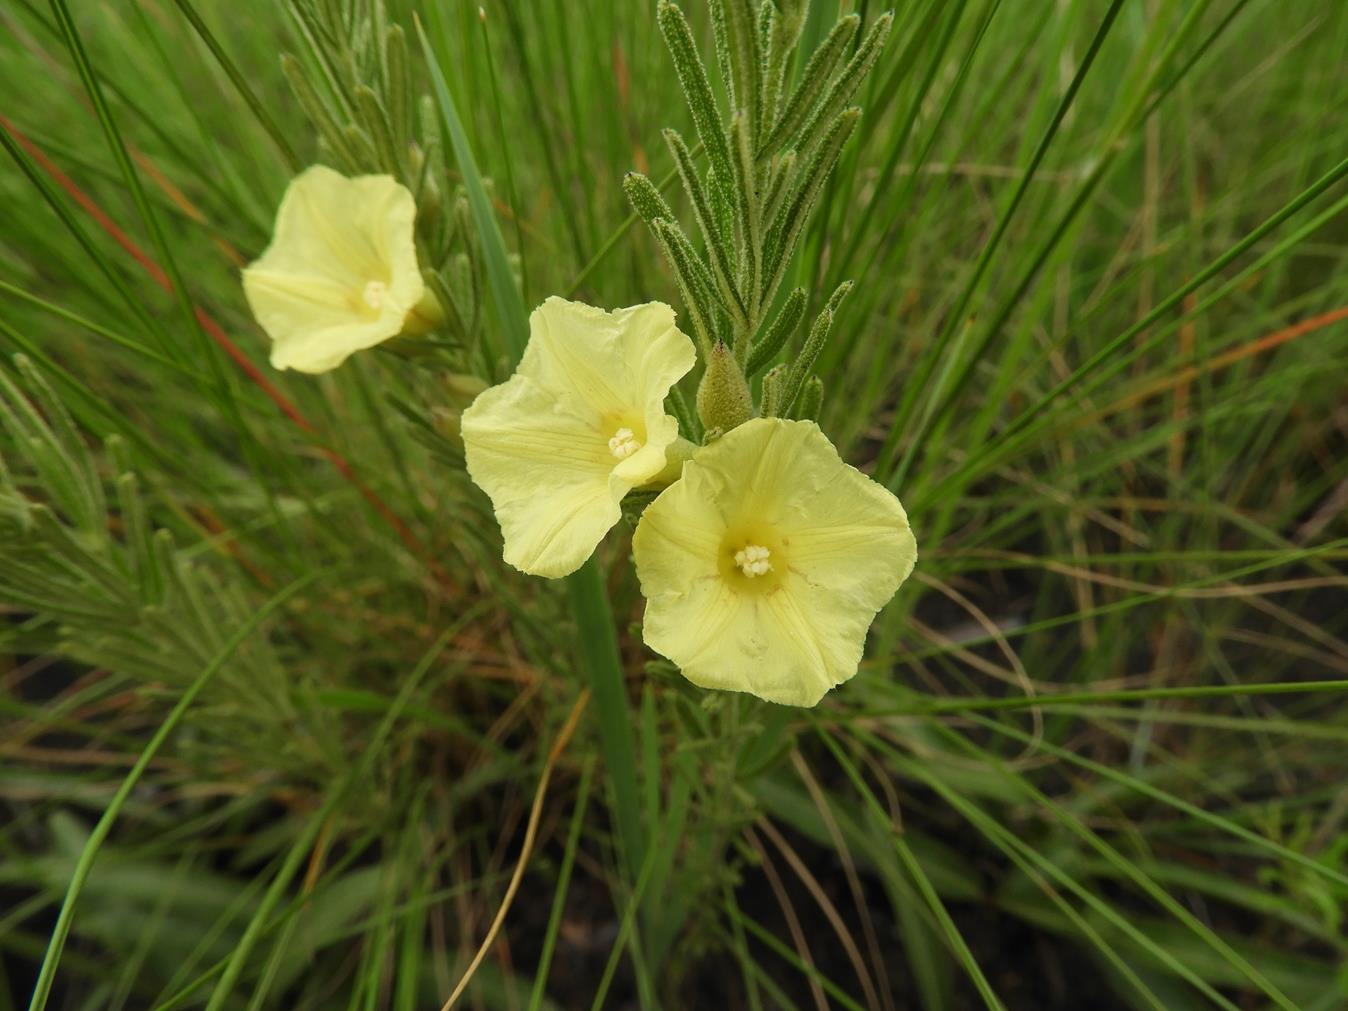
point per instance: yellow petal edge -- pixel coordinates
(341, 272)
(579, 424)
(765, 564)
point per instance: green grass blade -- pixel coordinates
(47, 972)
(240, 83)
(509, 304)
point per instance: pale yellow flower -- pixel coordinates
(341, 273)
(579, 425)
(764, 565)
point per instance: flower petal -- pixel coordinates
(335, 239)
(548, 473)
(844, 545)
(539, 444)
(846, 534)
(385, 217)
(616, 362)
(312, 324)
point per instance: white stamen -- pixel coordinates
(753, 560)
(624, 443)
(374, 294)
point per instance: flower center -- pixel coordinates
(624, 443)
(754, 560)
(374, 294)
(754, 557)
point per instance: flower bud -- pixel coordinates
(723, 397)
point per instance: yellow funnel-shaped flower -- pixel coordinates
(580, 423)
(764, 566)
(341, 272)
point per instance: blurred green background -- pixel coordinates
(1095, 756)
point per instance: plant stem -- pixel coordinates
(598, 642)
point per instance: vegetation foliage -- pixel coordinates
(281, 730)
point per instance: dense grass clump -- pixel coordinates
(279, 728)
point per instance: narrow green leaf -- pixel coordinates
(722, 258)
(47, 972)
(240, 83)
(337, 793)
(375, 118)
(398, 89)
(312, 35)
(955, 317)
(320, 115)
(693, 278)
(814, 82)
(362, 146)
(787, 226)
(500, 278)
(740, 21)
(612, 241)
(688, 425)
(782, 24)
(810, 400)
(223, 383)
(913, 867)
(809, 352)
(693, 80)
(722, 205)
(773, 384)
(765, 349)
(781, 174)
(646, 199)
(563, 884)
(848, 81)
(751, 229)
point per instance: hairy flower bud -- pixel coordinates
(723, 397)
